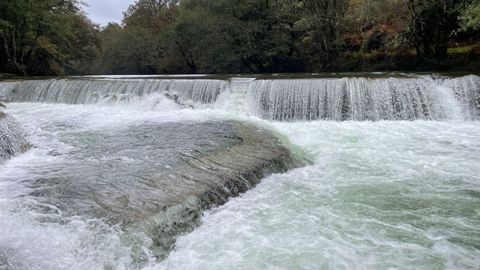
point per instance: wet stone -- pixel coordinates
(158, 177)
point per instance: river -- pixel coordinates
(391, 178)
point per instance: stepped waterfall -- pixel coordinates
(263, 172)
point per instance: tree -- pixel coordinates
(323, 20)
(432, 23)
(138, 45)
(51, 37)
(43, 36)
(470, 16)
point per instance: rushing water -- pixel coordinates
(361, 99)
(376, 195)
(12, 138)
(82, 91)
(387, 195)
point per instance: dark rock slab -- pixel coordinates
(158, 177)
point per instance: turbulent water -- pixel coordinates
(388, 195)
(357, 99)
(84, 91)
(385, 194)
(12, 138)
(362, 99)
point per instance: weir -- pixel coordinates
(337, 99)
(361, 99)
(128, 180)
(85, 91)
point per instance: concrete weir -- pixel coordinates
(157, 178)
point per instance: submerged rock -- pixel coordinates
(157, 178)
(12, 138)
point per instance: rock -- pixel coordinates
(157, 178)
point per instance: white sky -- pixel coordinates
(104, 11)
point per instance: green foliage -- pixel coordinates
(216, 36)
(470, 16)
(51, 37)
(47, 37)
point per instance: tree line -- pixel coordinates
(54, 37)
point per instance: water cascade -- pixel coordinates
(361, 99)
(240, 173)
(467, 92)
(7, 87)
(86, 91)
(339, 99)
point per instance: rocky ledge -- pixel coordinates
(157, 178)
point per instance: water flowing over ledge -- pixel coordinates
(83, 91)
(337, 99)
(119, 183)
(12, 140)
(361, 99)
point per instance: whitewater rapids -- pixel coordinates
(386, 195)
(383, 194)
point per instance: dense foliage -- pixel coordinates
(225, 36)
(46, 37)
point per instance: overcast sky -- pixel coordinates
(104, 11)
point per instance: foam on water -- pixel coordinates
(39, 235)
(35, 235)
(378, 195)
(69, 243)
(338, 99)
(398, 195)
(12, 138)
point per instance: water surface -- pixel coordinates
(388, 194)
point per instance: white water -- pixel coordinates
(83, 91)
(386, 195)
(361, 99)
(12, 137)
(357, 99)
(378, 195)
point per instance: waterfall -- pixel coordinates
(467, 92)
(337, 99)
(124, 180)
(6, 88)
(12, 140)
(84, 91)
(361, 99)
